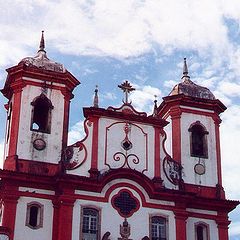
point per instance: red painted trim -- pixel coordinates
(65, 120)
(175, 114)
(218, 151)
(157, 163)
(65, 218)
(16, 108)
(100, 112)
(222, 224)
(180, 220)
(180, 99)
(127, 108)
(10, 209)
(94, 163)
(16, 73)
(55, 219)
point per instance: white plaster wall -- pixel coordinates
(213, 230)
(36, 190)
(8, 126)
(23, 232)
(116, 135)
(168, 130)
(111, 220)
(25, 149)
(188, 162)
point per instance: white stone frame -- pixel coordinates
(150, 223)
(40, 214)
(99, 220)
(205, 225)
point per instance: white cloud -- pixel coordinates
(230, 132)
(108, 96)
(230, 89)
(122, 29)
(76, 133)
(234, 230)
(143, 98)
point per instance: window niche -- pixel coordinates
(198, 140)
(158, 228)
(41, 114)
(201, 231)
(90, 223)
(34, 217)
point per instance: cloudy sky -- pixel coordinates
(106, 41)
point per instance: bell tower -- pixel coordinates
(39, 91)
(193, 113)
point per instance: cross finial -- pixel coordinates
(127, 88)
(42, 43)
(95, 101)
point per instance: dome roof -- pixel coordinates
(41, 60)
(189, 88)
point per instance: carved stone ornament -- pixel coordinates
(39, 144)
(199, 169)
(74, 156)
(125, 230)
(172, 170)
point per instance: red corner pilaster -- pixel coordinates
(217, 122)
(56, 205)
(9, 213)
(65, 215)
(67, 97)
(222, 224)
(175, 114)
(180, 220)
(94, 164)
(15, 122)
(157, 165)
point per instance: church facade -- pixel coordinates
(133, 176)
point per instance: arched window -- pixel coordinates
(158, 228)
(90, 224)
(198, 140)
(201, 231)
(34, 218)
(41, 114)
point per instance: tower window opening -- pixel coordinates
(41, 114)
(201, 231)
(198, 140)
(34, 218)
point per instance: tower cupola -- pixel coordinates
(189, 88)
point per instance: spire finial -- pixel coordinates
(42, 43)
(155, 106)
(95, 101)
(185, 69)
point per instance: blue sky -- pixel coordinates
(104, 42)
